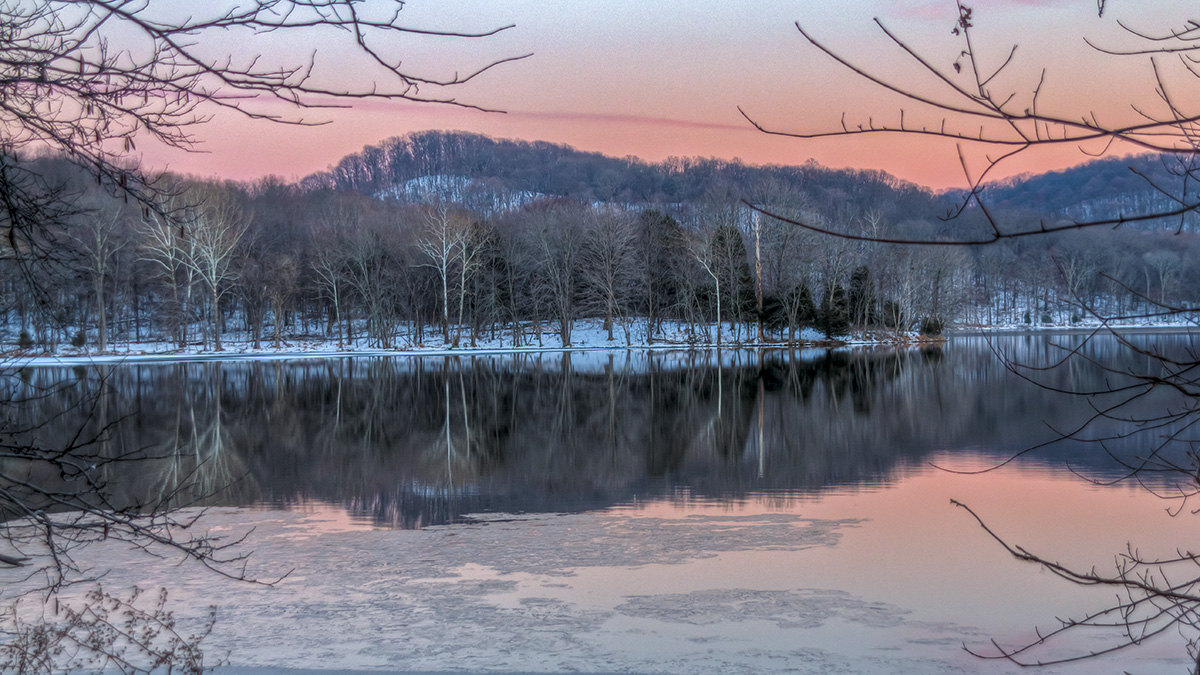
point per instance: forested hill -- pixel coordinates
(489, 175)
(1104, 188)
(500, 174)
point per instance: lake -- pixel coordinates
(639, 511)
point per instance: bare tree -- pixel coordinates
(1079, 267)
(214, 229)
(788, 257)
(607, 262)
(445, 241)
(283, 275)
(368, 276)
(559, 233)
(514, 247)
(471, 248)
(1165, 267)
(99, 239)
(331, 258)
(200, 249)
(167, 247)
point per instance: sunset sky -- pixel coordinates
(665, 78)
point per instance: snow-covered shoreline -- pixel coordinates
(587, 336)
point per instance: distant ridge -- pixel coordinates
(422, 163)
(493, 175)
(1104, 188)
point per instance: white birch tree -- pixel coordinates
(216, 229)
(99, 239)
(166, 246)
(444, 240)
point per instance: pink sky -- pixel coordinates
(660, 79)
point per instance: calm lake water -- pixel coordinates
(682, 512)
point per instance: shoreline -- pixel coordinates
(296, 349)
(1073, 330)
(67, 358)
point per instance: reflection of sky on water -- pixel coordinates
(921, 577)
(904, 581)
(885, 581)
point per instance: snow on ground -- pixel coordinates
(588, 335)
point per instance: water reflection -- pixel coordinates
(417, 441)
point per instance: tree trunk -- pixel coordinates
(445, 307)
(718, 281)
(758, 277)
(216, 320)
(101, 317)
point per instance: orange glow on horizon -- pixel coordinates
(638, 81)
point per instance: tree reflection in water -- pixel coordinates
(411, 442)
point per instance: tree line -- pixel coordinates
(272, 262)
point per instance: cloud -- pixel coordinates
(645, 120)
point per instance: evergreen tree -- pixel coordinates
(662, 244)
(863, 312)
(835, 311)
